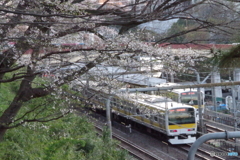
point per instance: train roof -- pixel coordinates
(141, 99)
(154, 101)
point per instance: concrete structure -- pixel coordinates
(236, 77)
(216, 91)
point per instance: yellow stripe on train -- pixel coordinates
(181, 126)
(196, 106)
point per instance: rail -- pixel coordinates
(201, 153)
(132, 148)
(206, 137)
(230, 145)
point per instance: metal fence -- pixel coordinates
(218, 117)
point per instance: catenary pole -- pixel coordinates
(108, 113)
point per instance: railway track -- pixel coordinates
(143, 154)
(213, 129)
(133, 149)
(136, 151)
(130, 144)
(201, 153)
(221, 145)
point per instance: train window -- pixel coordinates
(114, 101)
(155, 118)
(147, 116)
(137, 111)
(130, 109)
(181, 116)
(117, 104)
(111, 103)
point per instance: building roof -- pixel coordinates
(118, 73)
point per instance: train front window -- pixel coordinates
(190, 98)
(181, 116)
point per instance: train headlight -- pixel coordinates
(191, 129)
(173, 130)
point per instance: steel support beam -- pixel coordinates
(180, 87)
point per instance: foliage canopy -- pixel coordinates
(61, 41)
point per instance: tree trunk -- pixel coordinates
(2, 133)
(8, 116)
(23, 95)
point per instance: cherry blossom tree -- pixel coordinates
(227, 59)
(67, 38)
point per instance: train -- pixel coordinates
(176, 122)
(187, 96)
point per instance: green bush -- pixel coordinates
(71, 137)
